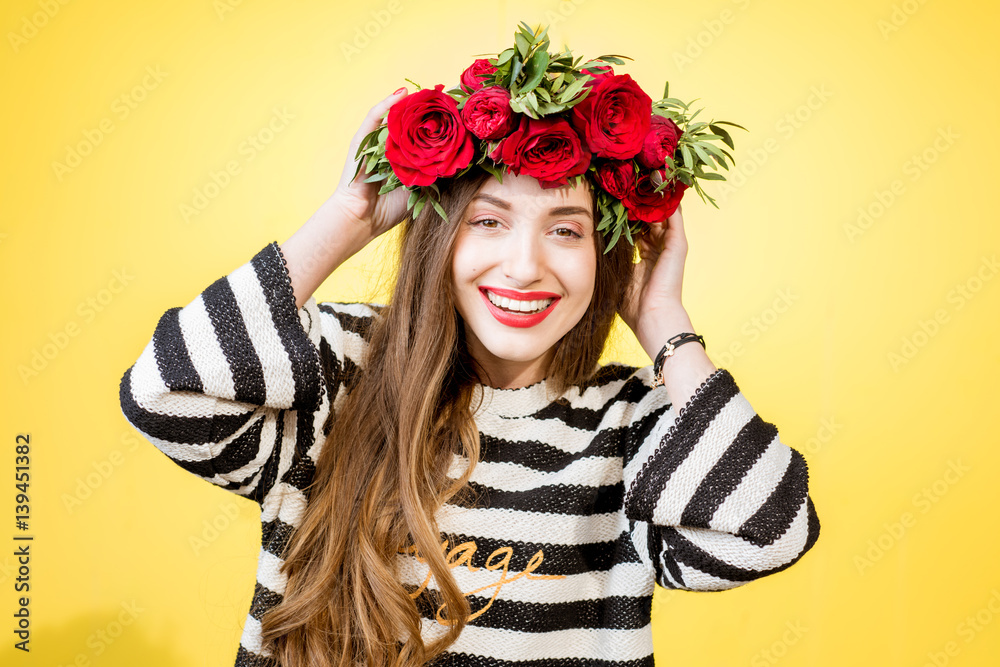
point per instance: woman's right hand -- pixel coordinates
(359, 201)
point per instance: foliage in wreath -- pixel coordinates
(559, 120)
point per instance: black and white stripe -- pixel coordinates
(579, 506)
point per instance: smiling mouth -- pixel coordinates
(527, 307)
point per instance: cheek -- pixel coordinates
(586, 278)
(465, 263)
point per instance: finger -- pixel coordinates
(676, 219)
(378, 112)
(675, 224)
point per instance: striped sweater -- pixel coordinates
(585, 502)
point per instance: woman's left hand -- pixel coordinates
(655, 291)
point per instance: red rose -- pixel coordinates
(646, 205)
(660, 143)
(472, 78)
(614, 117)
(616, 177)
(426, 137)
(487, 113)
(547, 149)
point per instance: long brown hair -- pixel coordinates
(382, 473)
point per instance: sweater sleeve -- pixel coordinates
(230, 384)
(721, 499)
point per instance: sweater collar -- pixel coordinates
(512, 402)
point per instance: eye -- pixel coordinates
(486, 223)
(567, 233)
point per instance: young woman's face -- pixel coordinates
(524, 266)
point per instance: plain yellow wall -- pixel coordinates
(849, 282)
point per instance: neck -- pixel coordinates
(506, 374)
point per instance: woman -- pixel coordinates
(452, 477)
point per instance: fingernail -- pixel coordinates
(401, 90)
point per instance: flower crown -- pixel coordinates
(549, 116)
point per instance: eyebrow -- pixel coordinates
(558, 210)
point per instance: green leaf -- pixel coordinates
(671, 114)
(438, 208)
(701, 153)
(726, 122)
(544, 94)
(666, 90)
(523, 44)
(673, 101)
(504, 56)
(613, 58)
(688, 159)
(714, 150)
(724, 135)
(542, 40)
(514, 73)
(614, 238)
(419, 207)
(711, 176)
(605, 204)
(532, 102)
(367, 140)
(596, 62)
(494, 169)
(549, 108)
(717, 155)
(535, 70)
(573, 89)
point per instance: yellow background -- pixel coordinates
(801, 302)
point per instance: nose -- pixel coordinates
(523, 262)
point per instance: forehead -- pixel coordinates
(526, 194)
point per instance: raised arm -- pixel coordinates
(230, 383)
(346, 222)
(216, 386)
(722, 500)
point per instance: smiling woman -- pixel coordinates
(524, 265)
(452, 478)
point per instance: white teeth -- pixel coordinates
(517, 305)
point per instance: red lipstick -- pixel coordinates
(519, 320)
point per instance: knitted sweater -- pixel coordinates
(585, 502)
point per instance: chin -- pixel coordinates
(510, 350)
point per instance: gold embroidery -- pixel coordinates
(462, 555)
